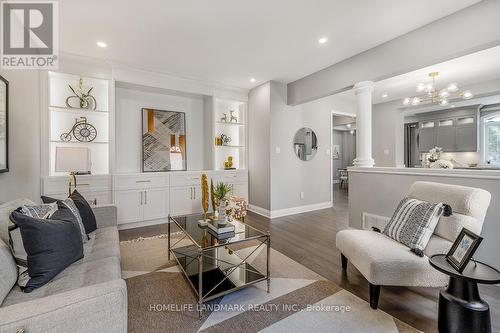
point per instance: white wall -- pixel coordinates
(128, 126)
(388, 134)
(259, 137)
(23, 179)
(379, 193)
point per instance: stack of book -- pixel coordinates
(221, 231)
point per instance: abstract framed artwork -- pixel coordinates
(163, 140)
(4, 125)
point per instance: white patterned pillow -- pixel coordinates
(413, 223)
(68, 203)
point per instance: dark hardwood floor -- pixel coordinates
(309, 239)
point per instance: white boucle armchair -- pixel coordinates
(386, 262)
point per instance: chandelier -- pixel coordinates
(431, 94)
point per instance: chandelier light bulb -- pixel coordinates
(420, 87)
(348, 125)
(467, 94)
(415, 101)
(429, 87)
(443, 102)
(406, 101)
(452, 87)
(444, 93)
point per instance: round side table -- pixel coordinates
(461, 309)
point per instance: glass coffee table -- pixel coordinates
(215, 265)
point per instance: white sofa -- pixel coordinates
(88, 296)
(386, 262)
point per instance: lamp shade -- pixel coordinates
(72, 159)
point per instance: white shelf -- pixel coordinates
(61, 118)
(231, 146)
(234, 124)
(76, 110)
(80, 142)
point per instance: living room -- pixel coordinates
(250, 166)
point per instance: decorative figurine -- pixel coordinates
(228, 165)
(232, 117)
(224, 118)
(225, 139)
(83, 131)
(85, 99)
(204, 199)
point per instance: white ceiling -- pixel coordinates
(467, 71)
(229, 41)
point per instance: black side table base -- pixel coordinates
(461, 309)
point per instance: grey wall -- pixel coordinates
(379, 194)
(290, 175)
(477, 27)
(388, 134)
(347, 143)
(259, 138)
(23, 179)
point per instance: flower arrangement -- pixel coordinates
(441, 164)
(434, 154)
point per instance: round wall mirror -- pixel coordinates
(305, 144)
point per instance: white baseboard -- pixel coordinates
(141, 224)
(300, 209)
(289, 211)
(259, 210)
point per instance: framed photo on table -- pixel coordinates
(463, 249)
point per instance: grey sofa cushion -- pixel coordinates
(80, 274)
(5, 210)
(103, 243)
(8, 271)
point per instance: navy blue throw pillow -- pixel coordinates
(51, 245)
(88, 217)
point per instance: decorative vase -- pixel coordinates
(222, 212)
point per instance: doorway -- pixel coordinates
(343, 153)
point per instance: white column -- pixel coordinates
(363, 91)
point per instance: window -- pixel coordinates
(492, 139)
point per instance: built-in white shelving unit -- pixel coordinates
(61, 118)
(235, 130)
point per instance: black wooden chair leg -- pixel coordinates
(374, 295)
(344, 261)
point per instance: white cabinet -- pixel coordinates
(129, 206)
(149, 197)
(155, 204)
(141, 197)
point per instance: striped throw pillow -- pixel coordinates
(413, 223)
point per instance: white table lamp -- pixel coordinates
(75, 160)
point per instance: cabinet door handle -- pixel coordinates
(143, 181)
(146, 197)
(194, 189)
(191, 193)
(141, 198)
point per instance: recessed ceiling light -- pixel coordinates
(252, 79)
(322, 40)
(385, 95)
(102, 44)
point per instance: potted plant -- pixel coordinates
(221, 193)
